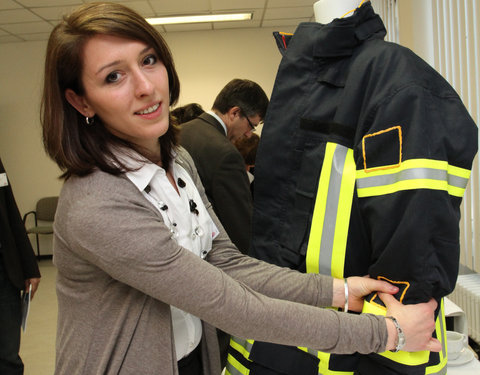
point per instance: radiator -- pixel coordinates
(467, 296)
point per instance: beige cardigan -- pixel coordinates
(119, 271)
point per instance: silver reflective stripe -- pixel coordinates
(412, 174)
(331, 210)
(457, 181)
(232, 370)
(242, 342)
(442, 330)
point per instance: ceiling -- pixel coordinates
(32, 20)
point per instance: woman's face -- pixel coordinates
(126, 85)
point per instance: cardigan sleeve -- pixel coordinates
(105, 221)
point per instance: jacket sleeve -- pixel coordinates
(413, 165)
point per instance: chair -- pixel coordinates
(45, 213)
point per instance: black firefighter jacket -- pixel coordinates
(411, 142)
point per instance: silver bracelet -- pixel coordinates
(400, 343)
(345, 309)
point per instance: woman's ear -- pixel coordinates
(78, 102)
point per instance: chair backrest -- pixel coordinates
(46, 208)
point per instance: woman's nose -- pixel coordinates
(143, 85)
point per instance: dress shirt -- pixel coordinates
(192, 228)
(211, 113)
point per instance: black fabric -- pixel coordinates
(287, 360)
(345, 73)
(192, 363)
(17, 263)
(18, 256)
(11, 319)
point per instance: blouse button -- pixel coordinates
(198, 231)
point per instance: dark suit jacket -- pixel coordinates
(15, 248)
(222, 171)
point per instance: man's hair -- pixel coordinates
(78, 148)
(243, 93)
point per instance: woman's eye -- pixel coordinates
(150, 60)
(113, 77)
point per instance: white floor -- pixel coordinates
(38, 342)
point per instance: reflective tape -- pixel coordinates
(413, 174)
(331, 215)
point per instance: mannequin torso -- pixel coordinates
(327, 10)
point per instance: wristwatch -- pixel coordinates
(400, 335)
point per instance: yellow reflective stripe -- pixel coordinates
(331, 214)
(413, 174)
(343, 216)
(316, 229)
(330, 222)
(242, 346)
(440, 329)
(235, 368)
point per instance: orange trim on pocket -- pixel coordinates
(399, 128)
(406, 283)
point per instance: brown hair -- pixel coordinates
(243, 93)
(76, 147)
(248, 148)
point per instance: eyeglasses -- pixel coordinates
(253, 127)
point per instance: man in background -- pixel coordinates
(239, 107)
(18, 271)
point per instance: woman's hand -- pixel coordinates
(358, 287)
(417, 322)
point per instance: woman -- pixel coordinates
(144, 267)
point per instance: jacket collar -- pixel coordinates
(341, 36)
(209, 119)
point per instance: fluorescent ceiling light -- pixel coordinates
(200, 18)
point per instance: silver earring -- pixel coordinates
(89, 120)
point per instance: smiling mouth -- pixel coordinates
(151, 109)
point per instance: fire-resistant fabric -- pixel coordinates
(364, 158)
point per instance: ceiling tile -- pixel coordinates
(48, 3)
(36, 36)
(17, 15)
(173, 7)
(235, 4)
(141, 7)
(8, 4)
(297, 12)
(9, 39)
(28, 28)
(54, 13)
(285, 22)
(289, 3)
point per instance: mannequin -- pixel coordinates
(327, 10)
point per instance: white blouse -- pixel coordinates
(190, 224)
